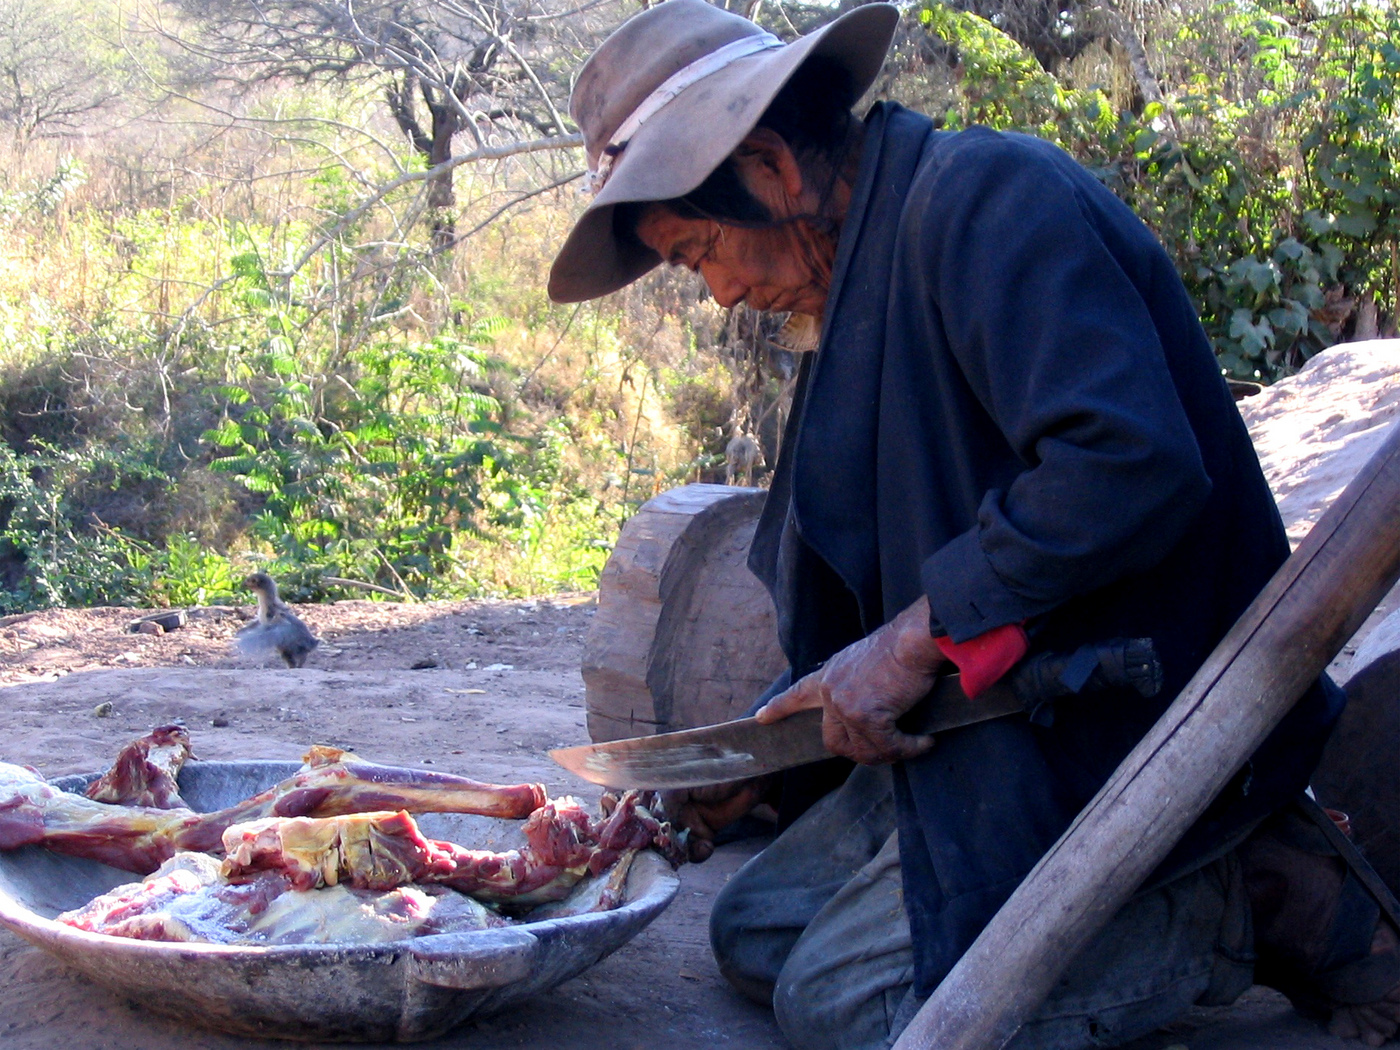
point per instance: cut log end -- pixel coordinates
(685, 635)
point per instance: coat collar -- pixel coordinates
(827, 469)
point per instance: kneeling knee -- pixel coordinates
(799, 1014)
(727, 925)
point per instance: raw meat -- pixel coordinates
(371, 851)
(182, 901)
(133, 838)
(140, 838)
(330, 855)
(381, 850)
(145, 771)
(342, 915)
(595, 893)
(335, 782)
(187, 901)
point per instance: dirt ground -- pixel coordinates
(479, 688)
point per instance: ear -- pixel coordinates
(770, 170)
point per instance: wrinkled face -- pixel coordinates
(777, 269)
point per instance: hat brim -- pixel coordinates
(662, 162)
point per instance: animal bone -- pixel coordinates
(378, 851)
(140, 838)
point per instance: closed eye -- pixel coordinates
(690, 254)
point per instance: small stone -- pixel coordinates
(103, 710)
(171, 620)
(219, 722)
(423, 665)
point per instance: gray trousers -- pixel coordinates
(815, 924)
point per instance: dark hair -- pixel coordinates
(812, 114)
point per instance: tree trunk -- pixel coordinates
(442, 196)
(435, 147)
(1123, 33)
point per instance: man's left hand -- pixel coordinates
(866, 687)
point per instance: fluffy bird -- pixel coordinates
(276, 629)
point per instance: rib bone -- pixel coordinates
(145, 771)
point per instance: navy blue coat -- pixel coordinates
(1015, 411)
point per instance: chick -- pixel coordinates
(276, 629)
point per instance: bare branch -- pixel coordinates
(521, 199)
(511, 149)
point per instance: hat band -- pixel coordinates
(672, 86)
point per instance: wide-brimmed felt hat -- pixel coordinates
(666, 98)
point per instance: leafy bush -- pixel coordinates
(1273, 189)
(218, 355)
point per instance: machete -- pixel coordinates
(743, 748)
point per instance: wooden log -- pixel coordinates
(684, 635)
(1300, 621)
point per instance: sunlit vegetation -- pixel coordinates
(254, 314)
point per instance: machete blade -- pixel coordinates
(743, 748)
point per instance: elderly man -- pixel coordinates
(1011, 438)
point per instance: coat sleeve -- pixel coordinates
(1058, 345)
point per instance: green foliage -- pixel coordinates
(43, 196)
(387, 461)
(1001, 85)
(186, 572)
(229, 359)
(1274, 188)
(47, 562)
(373, 470)
(51, 557)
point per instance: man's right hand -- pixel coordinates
(865, 687)
(706, 811)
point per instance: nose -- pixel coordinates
(727, 290)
